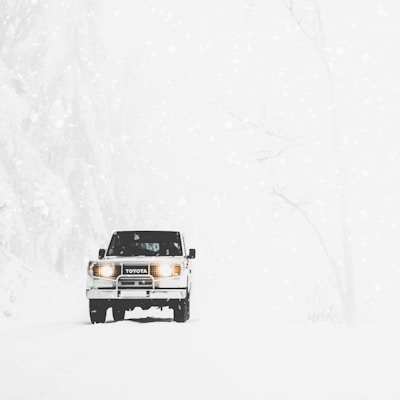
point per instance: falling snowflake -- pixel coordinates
(228, 125)
(182, 201)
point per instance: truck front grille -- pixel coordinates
(134, 282)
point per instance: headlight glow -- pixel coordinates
(165, 270)
(105, 270)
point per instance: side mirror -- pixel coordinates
(192, 253)
(102, 253)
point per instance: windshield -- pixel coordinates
(142, 243)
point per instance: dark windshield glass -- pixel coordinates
(142, 243)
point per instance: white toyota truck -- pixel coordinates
(140, 269)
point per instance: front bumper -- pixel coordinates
(141, 294)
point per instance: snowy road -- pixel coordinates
(230, 357)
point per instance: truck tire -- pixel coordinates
(118, 313)
(182, 310)
(97, 312)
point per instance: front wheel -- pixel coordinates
(182, 310)
(97, 312)
(118, 313)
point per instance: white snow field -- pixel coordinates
(241, 352)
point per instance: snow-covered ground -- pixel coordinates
(53, 352)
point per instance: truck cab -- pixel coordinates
(140, 269)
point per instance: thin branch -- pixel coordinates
(317, 40)
(252, 124)
(319, 236)
(298, 21)
(270, 157)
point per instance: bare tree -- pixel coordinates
(308, 19)
(277, 144)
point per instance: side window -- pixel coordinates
(115, 242)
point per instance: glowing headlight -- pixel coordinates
(165, 270)
(104, 270)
